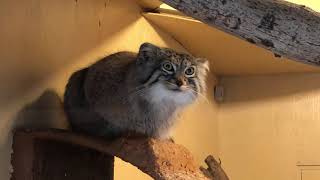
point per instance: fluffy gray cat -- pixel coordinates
(129, 93)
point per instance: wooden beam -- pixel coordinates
(284, 28)
(162, 160)
(149, 5)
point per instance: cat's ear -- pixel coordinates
(204, 63)
(148, 51)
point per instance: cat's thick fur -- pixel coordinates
(134, 93)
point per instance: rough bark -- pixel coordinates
(285, 28)
(214, 170)
(162, 160)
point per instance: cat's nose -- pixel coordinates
(179, 82)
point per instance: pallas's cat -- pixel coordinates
(137, 93)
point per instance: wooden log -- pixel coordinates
(284, 28)
(162, 160)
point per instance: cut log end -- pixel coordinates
(162, 160)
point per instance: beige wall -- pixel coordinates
(268, 125)
(44, 41)
(264, 128)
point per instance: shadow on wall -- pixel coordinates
(259, 88)
(45, 112)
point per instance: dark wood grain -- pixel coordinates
(40, 159)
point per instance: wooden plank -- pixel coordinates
(228, 55)
(149, 4)
(284, 28)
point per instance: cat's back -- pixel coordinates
(91, 87)
(106, 78)
(113, 62)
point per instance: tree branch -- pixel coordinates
(214, 170)
(285, 28)
(162, 160)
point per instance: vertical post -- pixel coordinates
(35, 159)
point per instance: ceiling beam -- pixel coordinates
(286, 29)
(149, 4)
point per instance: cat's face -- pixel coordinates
(173, 75)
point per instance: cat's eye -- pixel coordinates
(189, 72)
(167, 66)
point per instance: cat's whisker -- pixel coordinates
(170, 83)
(196, 93)
(200, 95)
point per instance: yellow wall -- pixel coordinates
(268, 125)
(197, 129)
(313, 4)
(264, 128)
(44, 41)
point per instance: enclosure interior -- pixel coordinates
(264, 126)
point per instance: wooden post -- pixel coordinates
(40, 159)
(285, 28)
